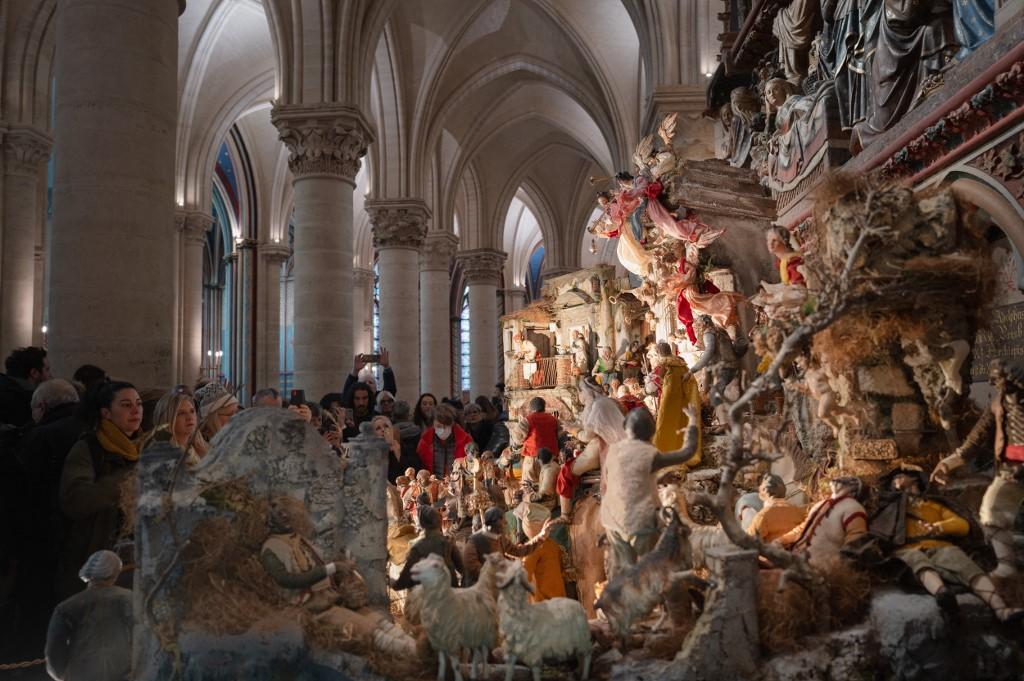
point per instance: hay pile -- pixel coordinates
(228, 591)
(861, 337)
(785, 617)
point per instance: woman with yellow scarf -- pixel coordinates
(95, 470)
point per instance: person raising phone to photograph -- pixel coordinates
(364, 374)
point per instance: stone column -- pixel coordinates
(268, 359)
(111, 296)
(399, 227)
(515, 299)
(193, 228)
(245, 328)
(435, 312)
(326, 142)
(362, 325)
(24, 151)
(482, 269)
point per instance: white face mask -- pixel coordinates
(443, 432)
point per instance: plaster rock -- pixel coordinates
(280, 455)
(883, 380)
(912, 635)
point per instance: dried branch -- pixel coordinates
(836, 298)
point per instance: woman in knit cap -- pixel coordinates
(94, 472)
(216, 407)
(90, 634)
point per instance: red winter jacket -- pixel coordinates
(543, 432)
(425, 448)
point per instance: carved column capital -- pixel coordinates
(398, 223)
(193, 225)
(275, 253)
(438, 250)
(363, 277)
(482, 265)
(324, 139)
(25, 149)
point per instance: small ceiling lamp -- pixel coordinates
(593, 246)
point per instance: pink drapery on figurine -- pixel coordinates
(690, 230)
(699, 298)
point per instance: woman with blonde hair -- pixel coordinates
(175, 420)
(397, 463)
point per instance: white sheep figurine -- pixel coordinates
(454, 619)
(554, 630)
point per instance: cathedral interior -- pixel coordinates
(521, 339)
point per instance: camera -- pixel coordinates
(298, 397)
(371, 358)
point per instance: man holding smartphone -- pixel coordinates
(362, 373)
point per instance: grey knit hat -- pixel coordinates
(100, 567)
(213, 397)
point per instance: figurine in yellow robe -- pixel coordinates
(676, 388)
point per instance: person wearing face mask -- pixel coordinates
(442, 443)
(94, 471)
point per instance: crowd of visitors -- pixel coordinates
(68, 449)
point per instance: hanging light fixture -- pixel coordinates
(593, 246)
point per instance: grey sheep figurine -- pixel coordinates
(455, 619)
(554, 630)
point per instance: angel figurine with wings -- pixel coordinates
(657, 163)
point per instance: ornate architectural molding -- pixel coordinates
(363, 277)
(25, 149)
(1005, 163)
(482, 265)
(398, 223)
(1003, 97)
(438, 250)
(324, 139)
(755, 38)
(193, 225)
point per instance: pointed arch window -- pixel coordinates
(464, 322)
(534, 278)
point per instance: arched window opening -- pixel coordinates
(378, 372)
(464, 342)
(534, 277)
(287, 347)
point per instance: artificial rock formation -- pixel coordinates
(200, 591)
